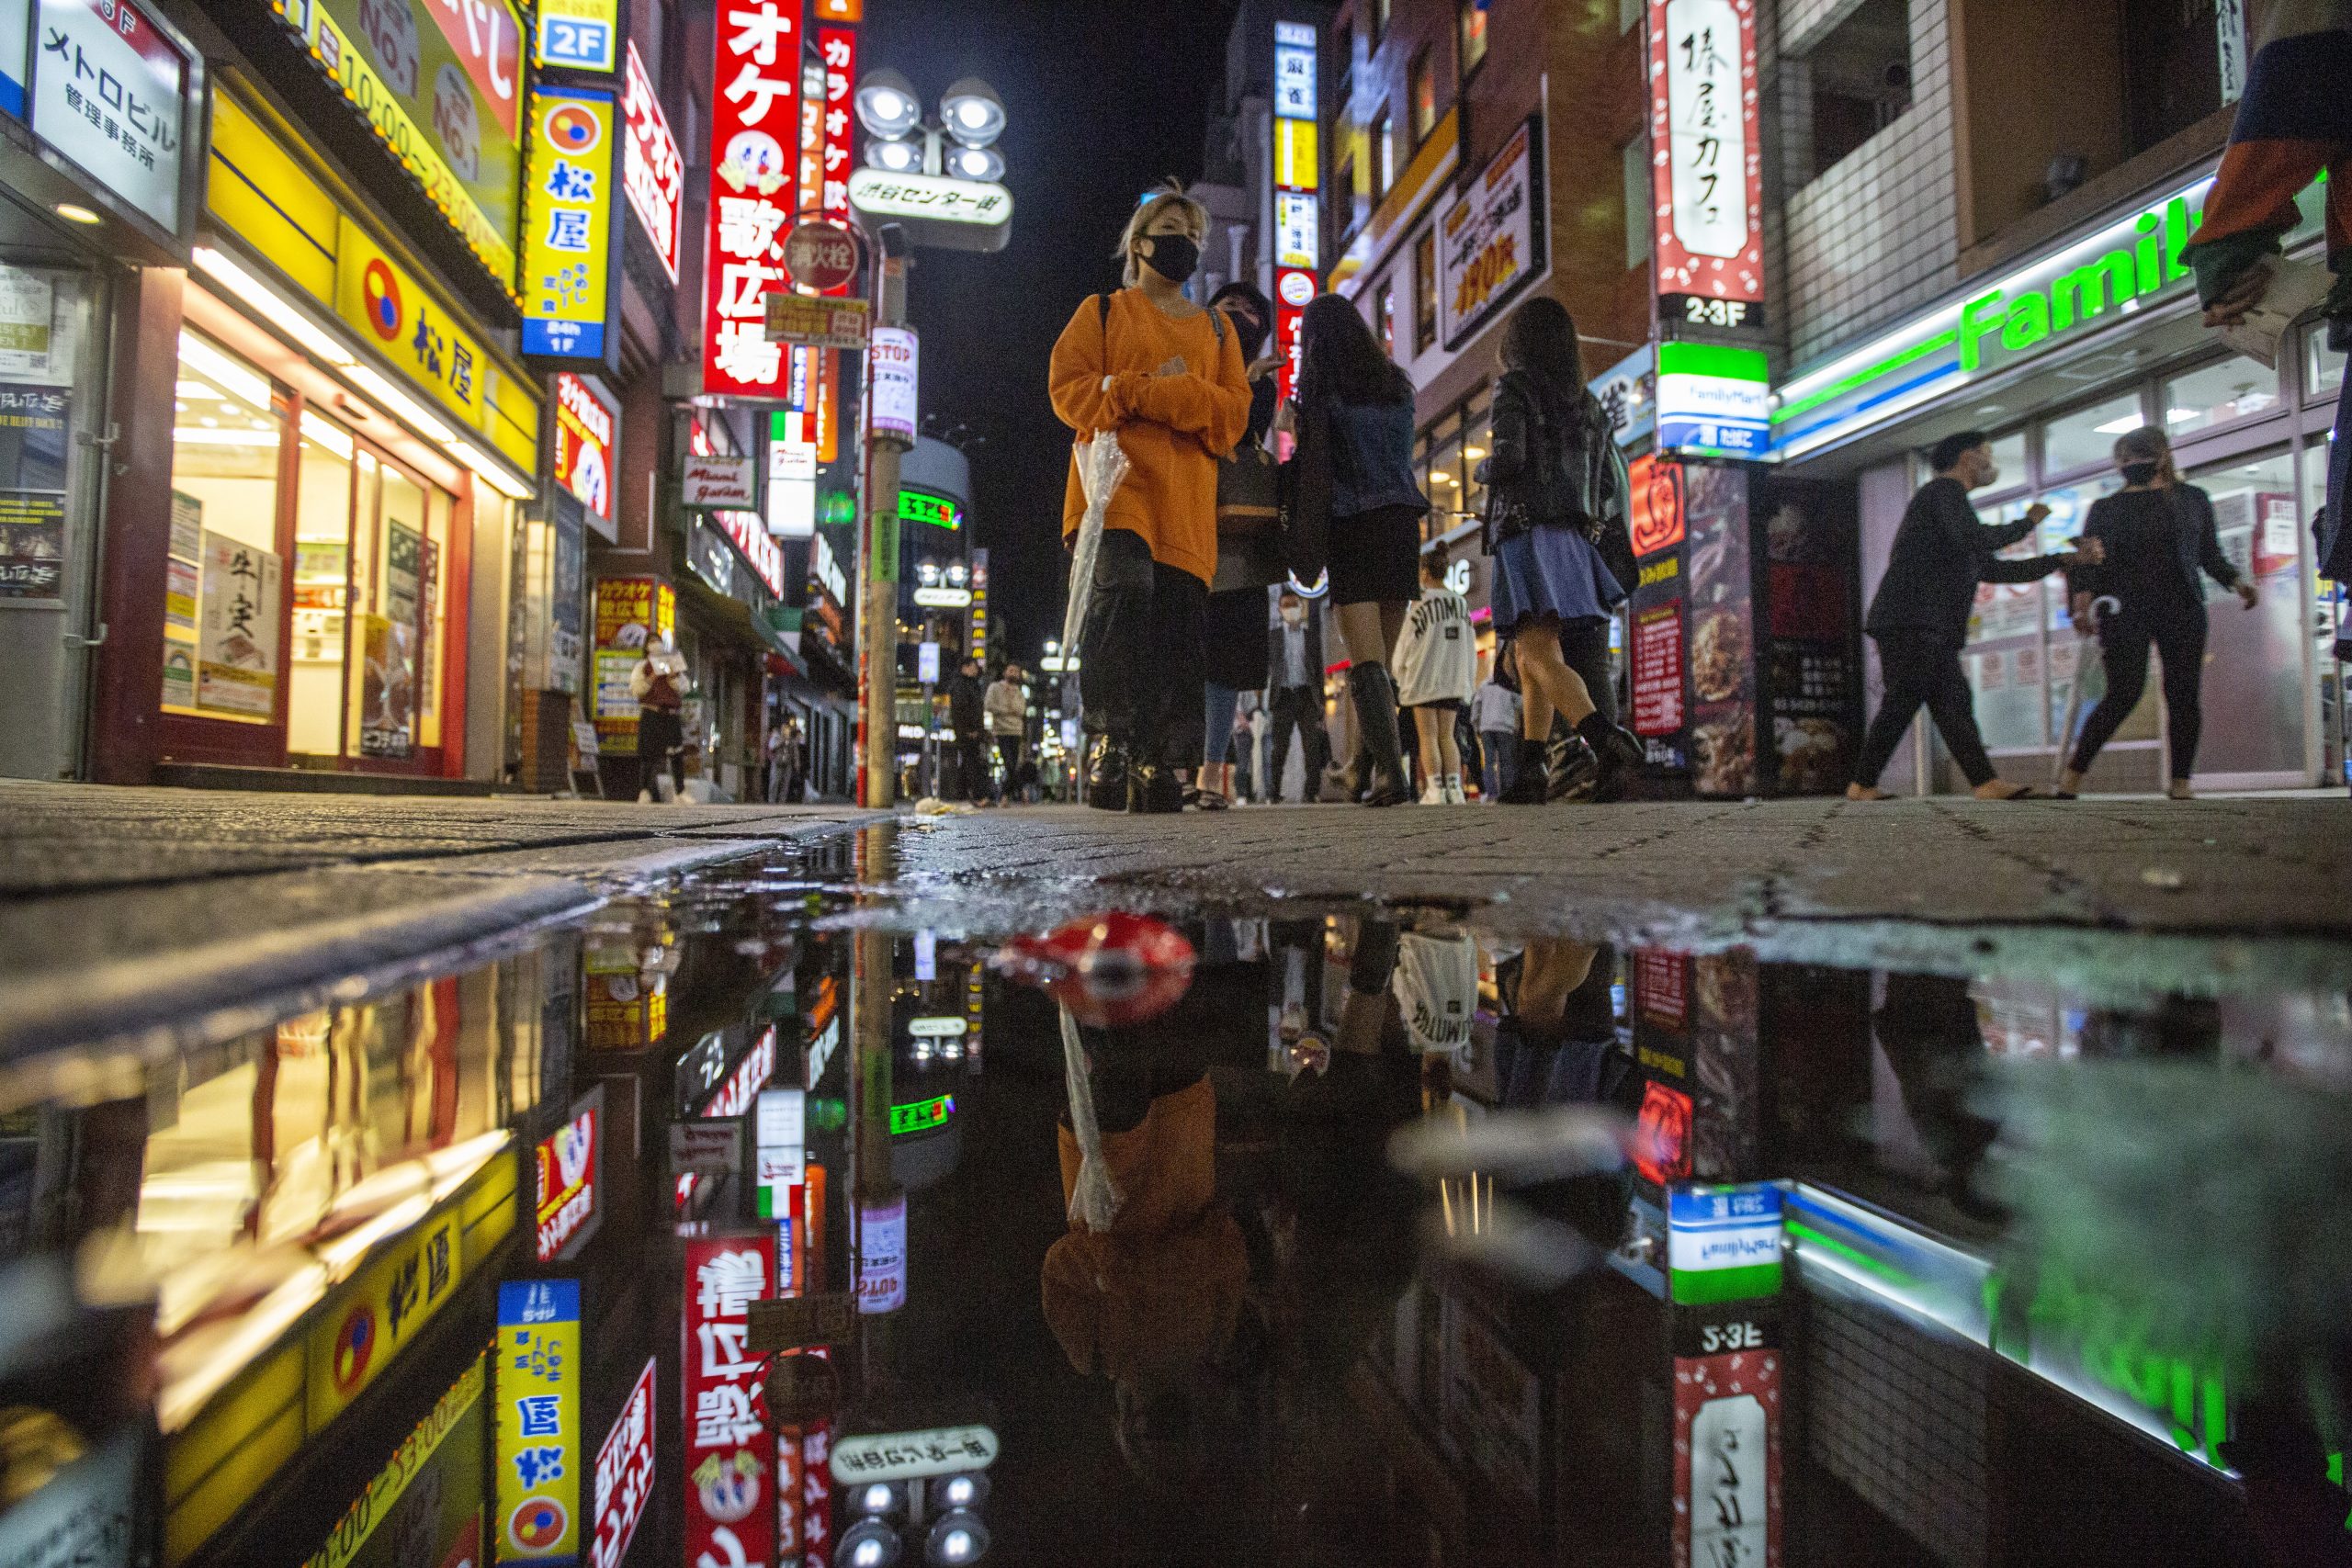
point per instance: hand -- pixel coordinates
(1264, 365)
(2086, 552)
(1175, 366)
(2235, 303)
(2036, 512)
(2248, 594)
(1286, 419)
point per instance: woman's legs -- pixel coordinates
(2180, 645)
(1361, 628)
(2123, 642)
(1427, 723)
(1449, 748)
(1546, 675)
(1553, 686)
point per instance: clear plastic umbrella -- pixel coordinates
(1102, 468)
(2090, 684)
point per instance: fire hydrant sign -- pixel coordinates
(754, 148)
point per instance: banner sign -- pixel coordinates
(624, 1475)
(1707, 157)
(711, 482)
(803, 322)
(755, 136)
(443, 89)
(1724, 1243)
(587, 444)
(578, 35)
(1490, 239)
(538, 1442)
(440, 1461)
(653, 171)
(1297, 206)
(570, 1163)
(110, 92)
(1728, 1458)
(729, 1515)
(568, 248)
(837, 48)
(1714, 399)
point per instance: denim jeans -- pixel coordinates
(1500, 749)
(1223, 702)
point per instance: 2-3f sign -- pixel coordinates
(1717, 1339)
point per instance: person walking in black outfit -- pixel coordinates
(1295, 696)
(967, 715)
(1920, 617)
(2158, 534)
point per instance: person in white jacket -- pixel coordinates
(1436, 662)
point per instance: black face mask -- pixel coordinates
(2140, 473)
(1174, 256)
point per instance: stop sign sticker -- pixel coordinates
(821, 255)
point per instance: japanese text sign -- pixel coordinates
(237, 644)
(441, 84)
(1295, 70)
(624, 1475)
(729, 1515)
(1490, 239)
(1297, 209)
(568, 240)
(378, 1314)
(587, 440)
(837, 48)
(754, 145)
(109, 93)
(1707, 159)
(566, 1194)
(440, 1461)
(389, 310)
(895, 384)
(817, 323)
(578, 35)
(652, 169)
(1728, 1458)
(539, 1443)
(902, 1456)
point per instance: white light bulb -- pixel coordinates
(888, 105)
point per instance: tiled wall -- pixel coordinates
(1877, 235)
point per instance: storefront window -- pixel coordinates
(2216, 394)
(398, 590)
(2085, 437)
(2008, 453)
(321, 586)
(2069, 511)
(2322, 367)
(1474, 34)
(222, 576)
(2255, 685)
(2005, 658)
(1478, 429)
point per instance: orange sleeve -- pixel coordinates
(1075, 379)
(1215, 409)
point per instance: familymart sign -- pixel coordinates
(1990, 326)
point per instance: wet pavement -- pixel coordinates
(1428, 1232)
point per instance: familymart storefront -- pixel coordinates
(2056, 355)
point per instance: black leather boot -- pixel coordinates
(1153, 790)
(1375, 700)
(1529, 783)
(1571, 771)
(1620, 752)
(1106, 774)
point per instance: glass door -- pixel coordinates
(400, 594)
(2258, 702)
(322, 532)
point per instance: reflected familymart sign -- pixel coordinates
(1999, 323)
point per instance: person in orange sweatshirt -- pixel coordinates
(1166, 376)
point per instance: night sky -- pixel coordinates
(1102, 98)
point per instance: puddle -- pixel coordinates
(1431, 1245)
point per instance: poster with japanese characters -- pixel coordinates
(110, 92)
(754, 157)
(237, 629)
(33, 451)
(568, 230)
(539, 1451)
(1707, 163)
(731, 1513)
(652, 169)
(624, 1475)
(30, 334)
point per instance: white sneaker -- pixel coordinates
(1432, 793)
(1454, 794)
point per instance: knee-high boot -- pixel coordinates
(1375, 700)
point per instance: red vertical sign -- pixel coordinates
(1727, 1460)
(754, 145)
(838, 48)
(730, 1453)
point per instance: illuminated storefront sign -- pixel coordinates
(568, 241)
(441, 1462)
(1490, 239)
(109, 93)
(742, 1086)
(970, 215)
(539, 1450)
(837, 50)
(730, 1516)
(922, 506)
(1296, 206)
(1714, 399)
(629, 610)
(1727, 1458)
(1724, 1243)
(578, 35)
(754, 143)
(1628, 395)
(444, 94)
(624, 1475)
(653, 171)
(1657, 521)
(587, 440)
(1708, 162)
(944, 598)
(570, 1163)
(779, 1145)
(383, 1311)
(922, 1115)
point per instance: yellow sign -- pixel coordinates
(447, 107)
(541, 1455)
(567, 243)
(1295, 162)
(385, 304)
(373, 1319)
(373, 1506)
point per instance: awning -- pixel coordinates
(732, 618)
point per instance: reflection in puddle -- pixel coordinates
(747, 1224)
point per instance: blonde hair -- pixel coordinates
(1170, 197)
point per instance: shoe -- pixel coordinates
(1619, 752)
(1375, 700)
(1106, 774)
(1528, 784)
(1454, 794)
(1571, 771)
(1433, 794)
(1153, 791)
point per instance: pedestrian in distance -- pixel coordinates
(1437, 672)
(1169, 378)
(1557, 499)
(967, 715)
(1495, 712)
(1007, 707)
(2159, 535)
(658, 684)
(1237, 618)
(1295, 696)
(1919, 616)
(1353, 417)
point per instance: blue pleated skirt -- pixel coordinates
(1552, 571)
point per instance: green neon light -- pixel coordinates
(1860, 1259)
(1676, 358)
(922, 1115)
(1704, 1287)
(1869, 373)
(915, 506)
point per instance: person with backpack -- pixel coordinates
(1168, 378)
(1353, 416)
(1437, 668)
(1557, 497)
(2160, 539)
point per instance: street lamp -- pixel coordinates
(971, 117)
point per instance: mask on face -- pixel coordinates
(2140, 473)
(1294, 616)
(1174, 256)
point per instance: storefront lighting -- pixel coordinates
(404, 407)
(974, 114)
(225, 373)
(272, 306)
(985, 164)
(74, 212)
(192, 435)
(869, 1544)
(328, 434)
(489, 471)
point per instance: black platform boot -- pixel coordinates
(1375, 700)
(1106, 774)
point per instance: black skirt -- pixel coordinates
(1235, 637)
(1375, 555)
